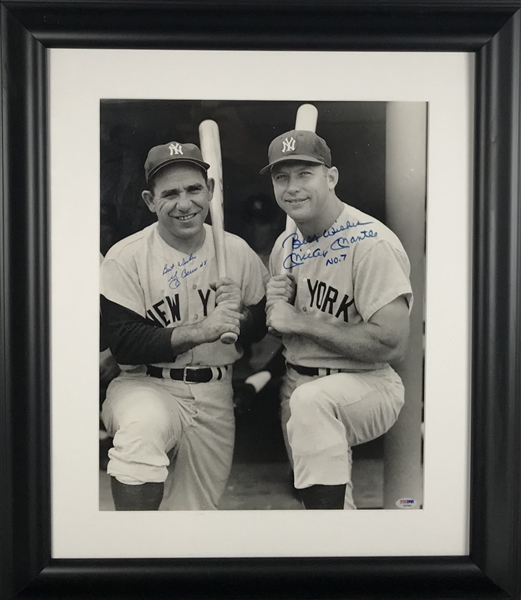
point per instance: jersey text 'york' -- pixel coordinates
(326, 298)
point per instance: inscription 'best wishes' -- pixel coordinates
(188, 265)
(330, 250)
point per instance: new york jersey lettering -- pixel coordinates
(168, 310)
(158, 315)
(324, 297)
(204, 301)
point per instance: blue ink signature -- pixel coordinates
(185, 261)
(168, 268)
(187, 272)
(295, 260)
(297, 242)
(173, 281)
(348, 225)
(342, 243)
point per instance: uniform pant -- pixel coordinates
(155, 422)
(323, 417)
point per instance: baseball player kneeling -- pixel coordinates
(343, 314)
(164, 311)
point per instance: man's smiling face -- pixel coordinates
(302, 189)
(180, 196)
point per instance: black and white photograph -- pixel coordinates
(262, 294)
(260, 299)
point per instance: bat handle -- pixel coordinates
(228, 338)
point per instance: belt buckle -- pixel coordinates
(185, 372)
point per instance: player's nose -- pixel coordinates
(184, 203)
(293, 185)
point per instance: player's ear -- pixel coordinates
(211, 187)
(332, 177)
(148, 198)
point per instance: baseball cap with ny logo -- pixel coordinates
(298, 145)
(160, 156)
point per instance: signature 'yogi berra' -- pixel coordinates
(343, 314)
(165, 310)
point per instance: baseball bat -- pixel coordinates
(211, 151)
(306, 119)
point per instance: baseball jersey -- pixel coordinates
(169, 288)
(344, 276)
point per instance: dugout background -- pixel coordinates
(356, 134)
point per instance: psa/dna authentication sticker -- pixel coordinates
(406, 503)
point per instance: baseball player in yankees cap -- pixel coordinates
(164, 311)
(343, 314)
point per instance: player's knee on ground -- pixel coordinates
(138, 456)
(141, 442)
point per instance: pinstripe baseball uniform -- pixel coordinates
(153, 418)
(330, 402)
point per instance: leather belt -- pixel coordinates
(314, 371)
(189, 374)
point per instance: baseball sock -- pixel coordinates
(324, 496)
(146, 496)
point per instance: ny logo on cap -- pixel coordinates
(288, 145)
(175, 149)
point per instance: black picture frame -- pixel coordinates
(489, 29)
